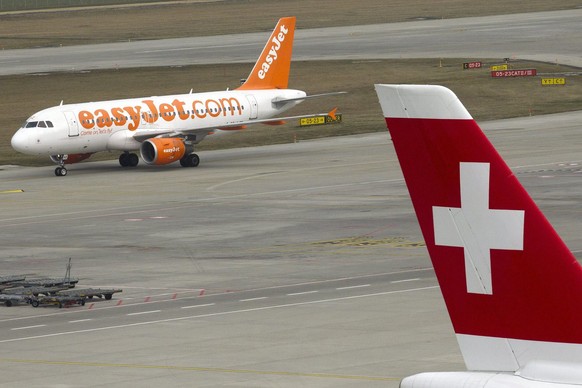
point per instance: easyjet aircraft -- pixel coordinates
(512, 288)
(165, 129)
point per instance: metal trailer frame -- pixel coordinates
(58, 300)
(90, 293)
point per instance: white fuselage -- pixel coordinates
(123, 124)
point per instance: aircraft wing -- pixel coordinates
(142, 135)
(281, 101)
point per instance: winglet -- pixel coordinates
(331, 113)
(271, 71)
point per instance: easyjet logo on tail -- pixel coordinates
(271, 71)
(273, 52)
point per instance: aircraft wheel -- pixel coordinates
(124, 160)
(34, 303)
(194, 160)
(132, 160)
(190, 160)
(60, 171)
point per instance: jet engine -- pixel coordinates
(162, 150)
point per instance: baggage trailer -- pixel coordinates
(34, 291)
(89, 293)
(9, 300)
(57, 300)
(10, 279)
(50, 282)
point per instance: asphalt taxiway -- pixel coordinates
(287, 265)
(543, 36)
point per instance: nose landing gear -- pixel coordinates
(61, 170)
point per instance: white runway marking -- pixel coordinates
(302, 293)
(27, 327)
(251, 299)
(80, 320)
(313, 283)
(215, 314)
(198, 305)
(145, 312)
(351, 287)
(404, 280)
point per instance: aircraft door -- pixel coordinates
(73, 123)
(254, 112)
(148, 120)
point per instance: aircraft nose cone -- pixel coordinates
(20, 141)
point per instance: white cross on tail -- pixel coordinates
(476, 228)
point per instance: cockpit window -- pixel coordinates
(39, 124)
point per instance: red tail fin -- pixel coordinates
(272, 68)
(512, 288)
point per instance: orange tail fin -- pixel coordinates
(272, 68)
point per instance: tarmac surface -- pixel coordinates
(279, 266)
(545, 36)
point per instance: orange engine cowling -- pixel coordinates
(71, 158)
(161, 150)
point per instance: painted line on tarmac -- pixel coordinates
(198, 305)
(214, 314)
(144, 312)
(217, 294)
(253, 299)
(202, 369)
(404, 280)
(352, 287)
(27, 327)
(302, 293)
(80, 320)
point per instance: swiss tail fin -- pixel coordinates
(512, 288)
(272, 68)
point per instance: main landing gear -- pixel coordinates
(190, 160)
(128, 160)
